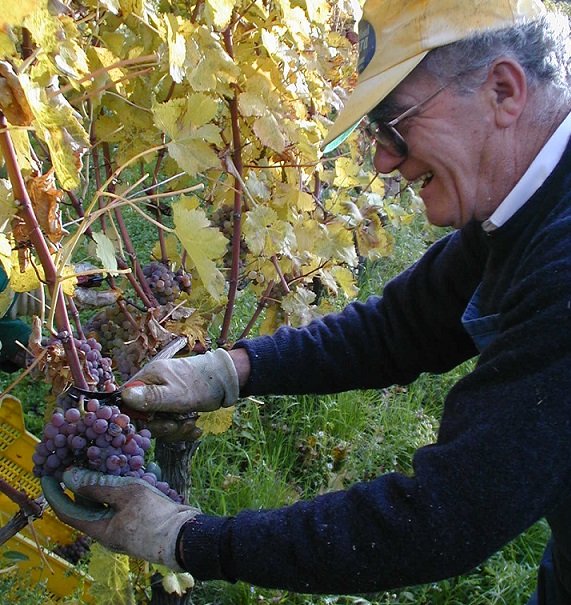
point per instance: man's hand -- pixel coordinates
(201, 383)
(127, 514)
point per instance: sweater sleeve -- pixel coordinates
(501, 462)
(414, 327)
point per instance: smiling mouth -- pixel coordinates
(427, 179)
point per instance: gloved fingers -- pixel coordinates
(151, 398)
(71, 512)
(118, 492)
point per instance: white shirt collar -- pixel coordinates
(541, 167)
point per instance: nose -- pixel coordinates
(385, 160)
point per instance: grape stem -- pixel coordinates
(40, 245)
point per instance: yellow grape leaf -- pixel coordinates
(307, 232)
(292, 197)
(58, 125)
(208, 66)
(219, 12)
(216, 422)
(193, 155)
(318, 11)
(6, 255)
(58, 37)
(112, 584)
(298, 304)
(346, 171)
(336, 242)
(271, 321)
(268, 131)
(14, 13)
(105, 251)
(6, 298)
(99, 57)
(252, 104)
(26, 160)
(33, 276)
(373, 241)
(8, 208)
(346, 280)
(186, 121)
(203, 244)
(171, 244)
(180, 118)
(173, 582)
(177, 49)
(25, 281)
(265, 234)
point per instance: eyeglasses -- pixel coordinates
(387, 136)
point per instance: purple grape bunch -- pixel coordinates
(75, 551)
(99, 367)
(166, 285)
(88, 433)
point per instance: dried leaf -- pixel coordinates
(46, 198)
(13, 101)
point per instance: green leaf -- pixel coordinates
(105, 251)
(14, 555)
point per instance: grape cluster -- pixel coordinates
(115, 333)
(90, 434)
(99, 367)
(166, 285)
(75, 551)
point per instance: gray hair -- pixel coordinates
(542, 47)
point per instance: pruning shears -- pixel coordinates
(114, 397)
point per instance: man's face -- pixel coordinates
(454, 148)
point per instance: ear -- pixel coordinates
(508, 87)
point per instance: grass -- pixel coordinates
(283, 449)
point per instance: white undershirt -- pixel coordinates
(541, 167)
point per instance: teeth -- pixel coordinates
(427, 178)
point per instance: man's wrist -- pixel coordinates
(242, 364)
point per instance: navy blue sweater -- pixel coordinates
(502, 459)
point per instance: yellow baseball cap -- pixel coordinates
(395, 35)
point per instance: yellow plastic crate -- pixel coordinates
(16, 448)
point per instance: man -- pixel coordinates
(471, 98)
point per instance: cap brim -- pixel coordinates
(367, 95)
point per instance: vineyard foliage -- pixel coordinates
(207, 119)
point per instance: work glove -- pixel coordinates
(138, 520)
(181, 387)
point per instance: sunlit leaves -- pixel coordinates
(112, 584)
(203, 243)
(266, 235)
(58, 38)
(14, 13)
(188, 123)
(57, 123)
(215, 422)
(219, 12)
